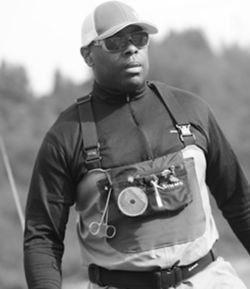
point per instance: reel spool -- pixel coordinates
(132, 201)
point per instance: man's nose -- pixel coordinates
(130, 49)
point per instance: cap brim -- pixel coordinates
(151, 29)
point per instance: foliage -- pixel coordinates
(182, 59)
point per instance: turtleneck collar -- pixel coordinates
(115, 96)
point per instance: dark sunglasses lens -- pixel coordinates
(115, 44)
(139, 39)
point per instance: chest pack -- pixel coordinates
(127, 205)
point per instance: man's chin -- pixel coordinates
(133, 83)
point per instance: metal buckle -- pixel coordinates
(184, 131)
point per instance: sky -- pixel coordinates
(45, 35)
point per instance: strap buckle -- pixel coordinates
(84, 99)
(95, 274)
(167, 278)
(92, 154)
(184, 131)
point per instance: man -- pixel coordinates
(138, 159)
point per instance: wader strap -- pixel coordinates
(91, 145)
(158, 279)
(176, 111)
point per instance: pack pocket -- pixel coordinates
(178, 219)
(152, 191)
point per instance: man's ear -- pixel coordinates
(86, 54)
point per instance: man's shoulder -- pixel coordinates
(187, 97)
(65, 127)
(193, 104)
(66, 118)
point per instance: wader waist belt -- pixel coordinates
(161, 279)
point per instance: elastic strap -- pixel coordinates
(176, 112)
(91, 146)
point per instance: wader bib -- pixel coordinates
(143, 207)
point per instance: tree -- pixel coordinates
(14, 83)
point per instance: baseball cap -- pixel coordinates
(109, 18)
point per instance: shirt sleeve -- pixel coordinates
(50, 196)
(228, 183)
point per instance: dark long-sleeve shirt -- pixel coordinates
(131, 128)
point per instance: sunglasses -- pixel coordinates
(114, 44)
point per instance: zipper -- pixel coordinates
(147, 146)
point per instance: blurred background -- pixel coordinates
(203, 46)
